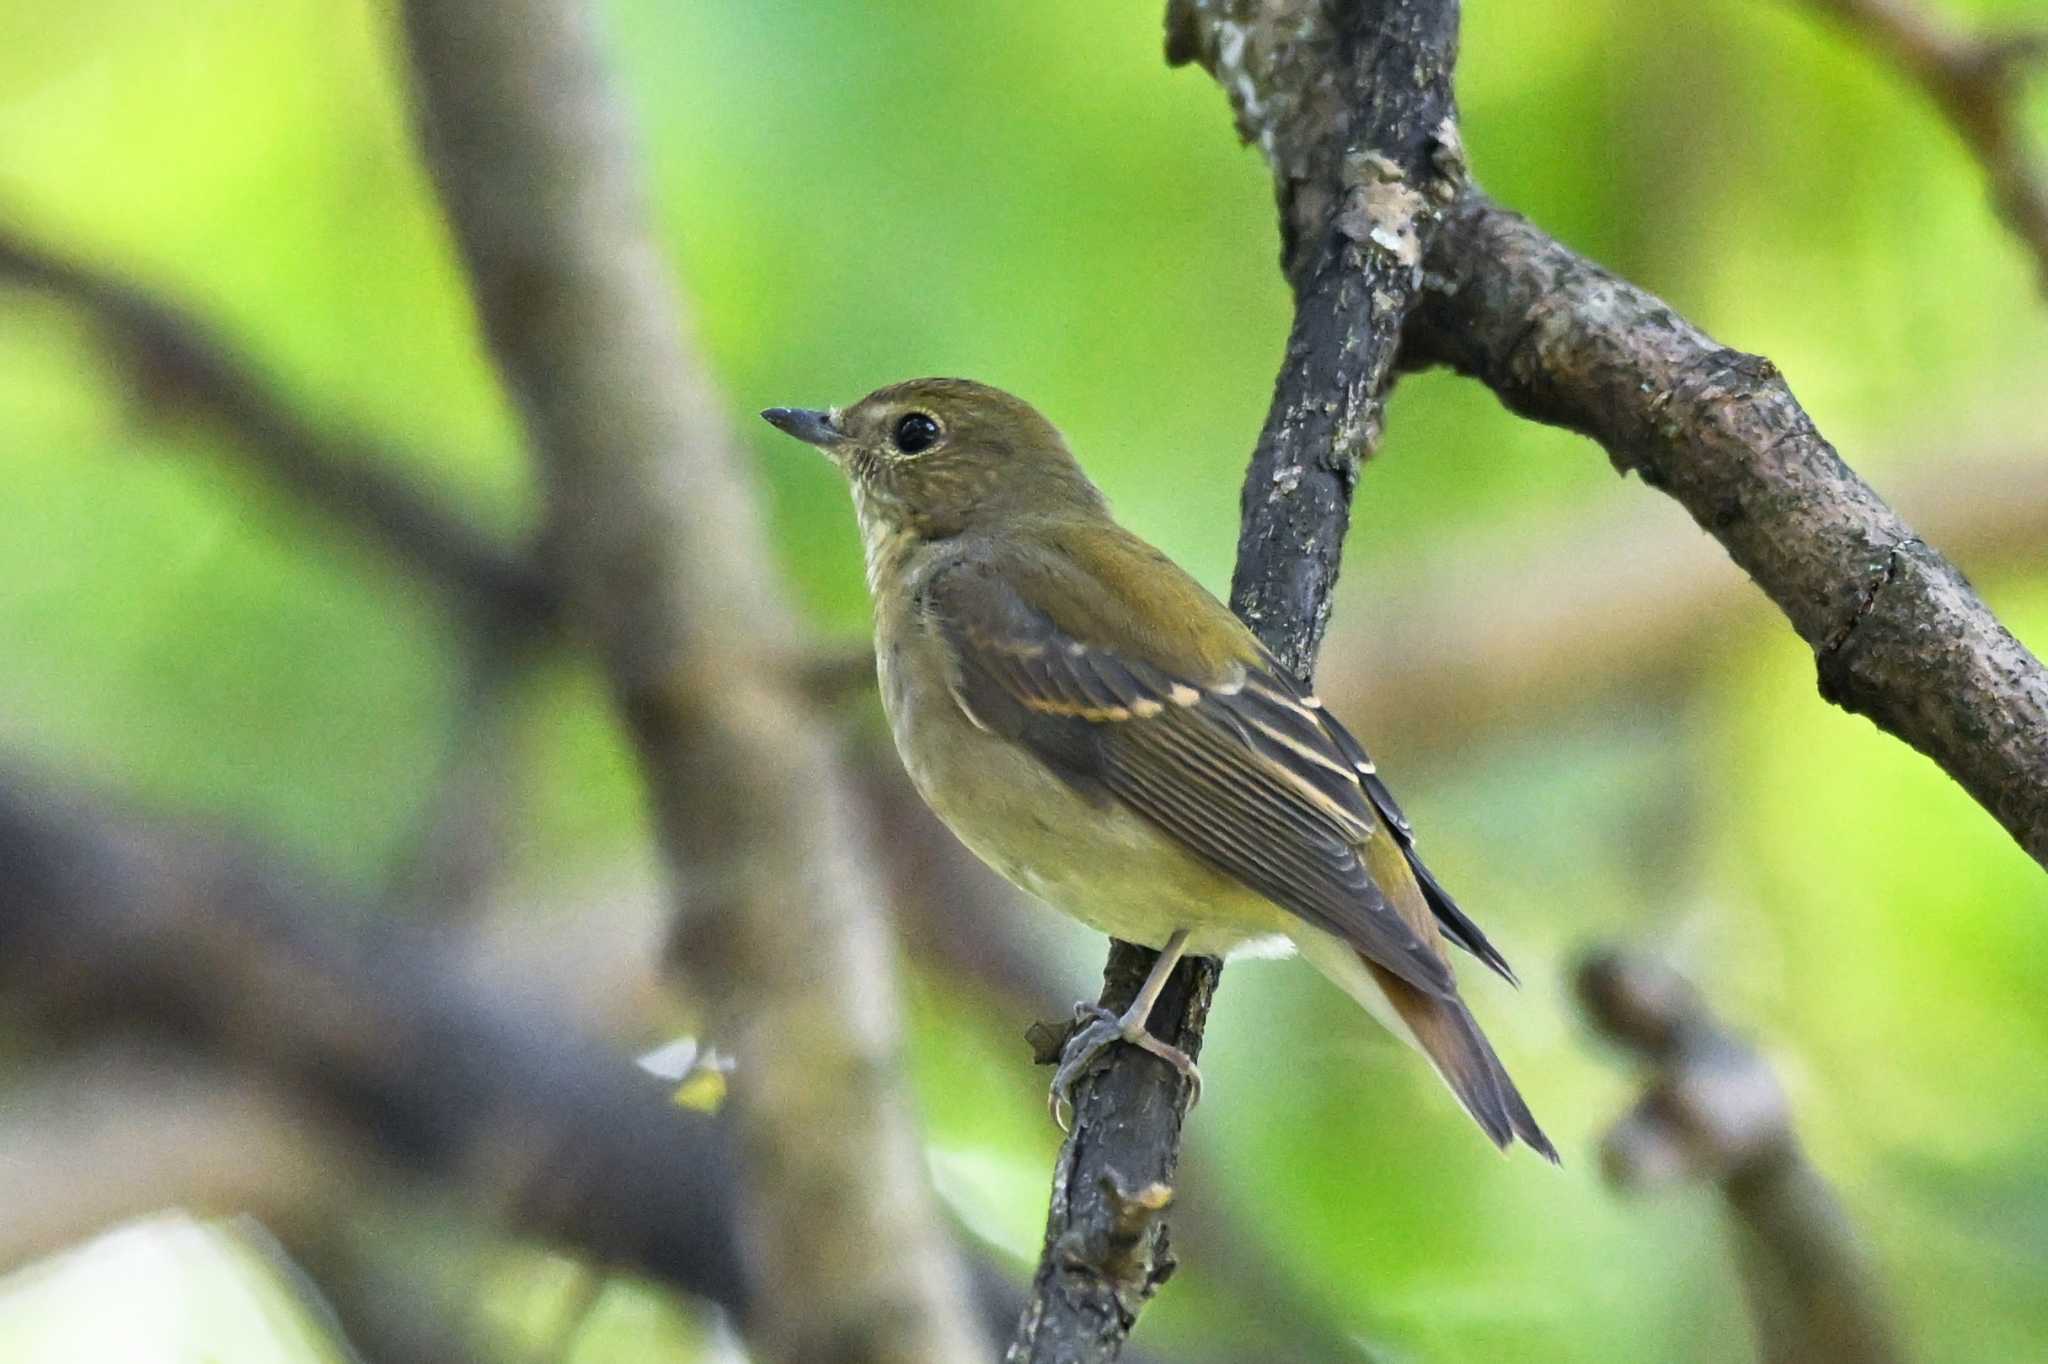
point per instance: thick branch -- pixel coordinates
(1714, 1113)
(174, 361)
(660, 549)
(1899, 635)
(1975, 81)
(1363, 162)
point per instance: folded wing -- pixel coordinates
(1242, 770)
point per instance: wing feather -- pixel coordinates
(1241, 771)
(1457, 925)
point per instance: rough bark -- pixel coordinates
(658, 545)
(1364, 160)
(1898, 634)
(1365, 155)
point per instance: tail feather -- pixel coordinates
(1455, 923)
(1446, 1032)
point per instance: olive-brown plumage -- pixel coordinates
(1107, 735)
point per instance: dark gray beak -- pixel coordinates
(806, 424)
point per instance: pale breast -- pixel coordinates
(1097, 862)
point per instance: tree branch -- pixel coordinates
(199, 938)
(304, 1058)
(176, 362)
(1496, 628)
(1714, 1113)
(1974, 80)
(661, 557)
(1364, 160)
(1898, 634)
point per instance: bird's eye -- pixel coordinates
(916, 431)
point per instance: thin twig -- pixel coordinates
(174, 361)
(1714, 1113)
(662, 556)
(1975, 80)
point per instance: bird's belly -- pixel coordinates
(1096, 862)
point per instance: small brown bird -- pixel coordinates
(1110, 738)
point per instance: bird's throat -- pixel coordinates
(885, 538)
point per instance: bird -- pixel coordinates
(1108, 736)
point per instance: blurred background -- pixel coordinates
(1602, 731)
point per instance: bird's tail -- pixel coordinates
(1445, 1031)
(1442, 1029)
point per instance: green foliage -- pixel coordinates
(854, 191)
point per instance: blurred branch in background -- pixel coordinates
(1899, 635)
(124, 1129)
(1714, 1114)
(77, 1155)
(1604, 602)
(133, 924)
(653, 529)
(174, 362)
(1494, 630)
(1976, 81)
(315, 1064)
(1362, 165)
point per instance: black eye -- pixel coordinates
(916, 431)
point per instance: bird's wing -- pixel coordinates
(1242, 771)
(1454, 921)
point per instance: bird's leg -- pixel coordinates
(1104, 1027)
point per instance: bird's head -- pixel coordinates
(939, 456)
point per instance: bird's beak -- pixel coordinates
(806, 424)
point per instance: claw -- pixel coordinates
(1100, 1030)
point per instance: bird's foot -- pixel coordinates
(1099, 1028)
